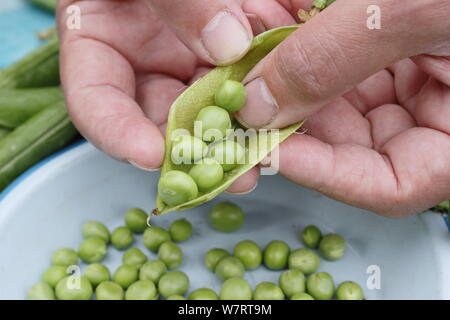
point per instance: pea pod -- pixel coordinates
(40, 68)
(18, 105)
(49, 5)
(201, 94)
(38, 137)
(3, 132)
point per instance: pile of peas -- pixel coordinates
(141, 279)
(210, 152)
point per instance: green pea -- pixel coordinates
(332, 247)
(136, 220)
(292, 282)
(176, 187)
(213, 122)
(249, 253)
(235, 289)
(92, 250)
(176, 297)
(122, 238)
(173, 282)
(226, 217)
(228, 153)
(207, 174)
(53, 274)
(268, 291)
(320, 286)
(203, 294)
(41, 291)
(276, 255)
(64, 257)
(74, 288)
(302, 296)
(141, 290)
(231, 95)
(349, 290)
(154, 237)
(109, 290)
(152, 270)
(171, 254)
(97, 273)
(229, 267)
(306, 260)
(311, 236)
(213, 256)
(95, 229)
(180, 230)
(187, 149)
(135, 257)
(125, 275)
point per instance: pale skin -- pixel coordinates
(377, 102)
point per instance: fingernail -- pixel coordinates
(225, 38)
(242, 193)
(256, 23)
(260, 108)
(134, 164)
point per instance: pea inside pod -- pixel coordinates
(201, 94)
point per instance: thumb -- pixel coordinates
(332, 53)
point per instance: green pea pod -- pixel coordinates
(18, 105)
(49, 5)
(201, 94)
(40, 136)
(3, 132)
(40, 68)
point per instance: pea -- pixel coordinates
(292, 282)
(41, 291)
(213, 257)
(311, 236)
(276, 255)
(136, 220)
(134, 257)
(173, 283)
(306, 260)
(141, 290)
(268, 291)
(320, 286)
(176, 187)
(214, 123)
(95, 229)
(74, 288)
(122, 238)
(53, 274)
(154, 237)
(332, 247)
(176, 297)
(187, 149)
(92, 250)
(109, 290)
(152, 270)
(249, 253)
(203, 294)
(207, 174)
(229, 267)
(180, 230)
(125, 275)
(235, 289)
(302, 296)
(228, 153)
(226, 217)
(97, 273)
(231, 95)
(171, 254)
(64, 257)
(349, 290)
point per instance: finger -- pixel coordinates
(217, 31)
(246, 183)
(437, 67)
(271, 13)
(327, 57)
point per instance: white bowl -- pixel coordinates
(45, 211)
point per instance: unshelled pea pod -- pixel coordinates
(3, 132)
(38, 137)
(18, 105)
(40, 68)
(49, 5)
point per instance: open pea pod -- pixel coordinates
(201, 94)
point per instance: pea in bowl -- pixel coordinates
(47, 207)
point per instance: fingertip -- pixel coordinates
(245, 183)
